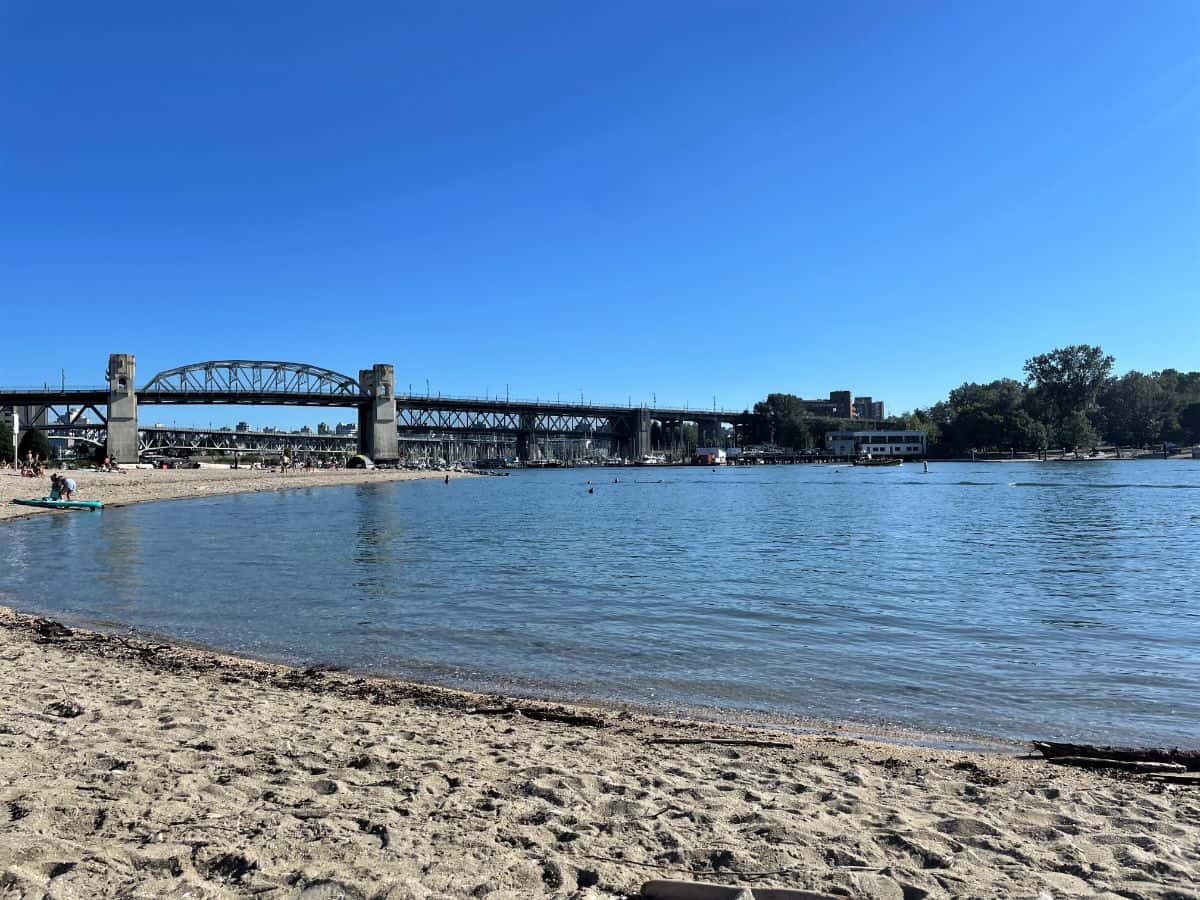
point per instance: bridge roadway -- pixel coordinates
(97, 397)
(382, 415)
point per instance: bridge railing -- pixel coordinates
(627, 405)
(50, 388)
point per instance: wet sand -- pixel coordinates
(138, 485)
(130, 767)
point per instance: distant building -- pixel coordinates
(80, 419)
(876, 443)
(243, 426)
(344, 428)
(304, 429)
(323, 428)
(840, 406)
(866, 408)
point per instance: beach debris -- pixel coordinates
(699, 890)
(226, 867)
(1124, 765)
(64, 709)
(1189, 759)
(374, 828)
(16, 811)
(328, 889)
(1176, 777)
(977, 775)
(59, 868)
(539, 714)
(561, 716)
(726, 742)
(50, 629)
(325, 786)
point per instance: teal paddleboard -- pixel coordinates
(47, 503)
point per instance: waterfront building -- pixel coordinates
(909, 444)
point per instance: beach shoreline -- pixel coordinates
(130, 766)
(143, 485)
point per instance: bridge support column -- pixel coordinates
(377, 436)
(641, 433)
(711, 433)
(122, 409)
(525, 437)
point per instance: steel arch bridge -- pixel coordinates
(253, 382)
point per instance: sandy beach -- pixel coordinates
(134, 768)
(139, 485)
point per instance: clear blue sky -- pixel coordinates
(683, 199)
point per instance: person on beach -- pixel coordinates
(67, 487)
(55, 487)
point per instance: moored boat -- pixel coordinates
(886, 461)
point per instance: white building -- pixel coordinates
(876, 443)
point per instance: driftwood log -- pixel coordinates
(1189, 759)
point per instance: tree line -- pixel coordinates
(1069, 399)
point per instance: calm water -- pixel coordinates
(1017, 600)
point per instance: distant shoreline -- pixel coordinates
(149, 485)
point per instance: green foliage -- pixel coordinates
(1068, 400)
(36, 442)
(1189, 423)
(1066, 385)
(783, 420)
(1134, 409)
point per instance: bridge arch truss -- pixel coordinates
(251, 381)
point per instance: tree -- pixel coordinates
(783, 419)
(1066, 386)
(1135, 409)
(1189, 423)
(36, 442)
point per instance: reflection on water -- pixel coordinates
(1014, 599)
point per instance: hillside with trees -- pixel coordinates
(1069, 399)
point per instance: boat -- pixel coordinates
(651, 460)
(47, 503)
(886, 461)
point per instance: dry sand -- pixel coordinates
(137, 485)
(136, 769)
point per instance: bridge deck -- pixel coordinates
(95, 396)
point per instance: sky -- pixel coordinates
(648, 202)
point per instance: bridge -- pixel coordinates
(386, 421)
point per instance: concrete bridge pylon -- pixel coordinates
(122, 440)
(377, 433)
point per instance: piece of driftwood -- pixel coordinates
(1125, 765)
(566, 718)
(726, 742)
(1177, 777)
(1189, 759)
(491, 711)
